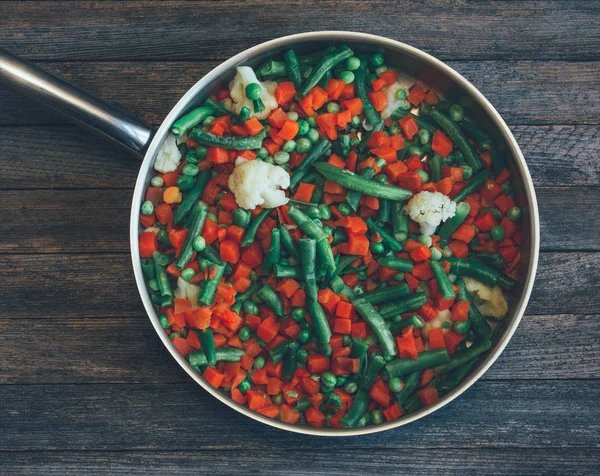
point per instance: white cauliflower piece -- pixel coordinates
(153, 229)
(443, 316)
(429, 209)
(187, 291)
(254, 182)
(403, 82)
(237, 89)
(489, 301)
(168, 156)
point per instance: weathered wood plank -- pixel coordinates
(501, 414)
(78, 221)
(169, 30)
(524, 92)
(75, 285)
(127, 350)
(67, 157)
(334, 460)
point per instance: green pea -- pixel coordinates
(394, 129)
(298, 314)
(191, 158)
(324, 212)
(340, 380)
(190, 170)
(333, 107)
(414, 149)
(424, 136)
(259, 362)
(401, 236)
(153, 285)
(203, 264)
(289, 146)
(424, 240)
(301, 355)
(250, 307)
(328, 379)
(358, 289)
(452, 277)
(514, 213)
(208, 121)
(376, 417)
(244, 334)
(201, 151)
(147, 208)
(355, 122)
(381, 178)
(376, 59)
(253, 91)
(447, 252)
(401, 94)
(461, 327)
(164, 321)
(399, 276)
(424, 175)
(244, 386)
(446, 325)
(382, 69)
(436, 254)
(377, 247)
(303, 127)
(184, 182)
(303, 145)
(312, 121)
(157, 181)
(188, 274)
(262, 153)
(346, 340)
(467, 171)
(507, 188)
(347, 77)
(304, 336)
(313, 135)
(281, 157)
(253, 276)
(344, 209)
(269, 160)
(456, 113)
(293, 115)
(497, 233)
(351, 387)
(396, 385)
(353, 63)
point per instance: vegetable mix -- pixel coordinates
(328, 241)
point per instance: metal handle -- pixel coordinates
(102, 118)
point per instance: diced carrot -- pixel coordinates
(148, 244)
(428, 395)
(390, 76)
(381, 393)
(422, 271)
(342, 119)
(268, 329)
(319, 96)
(491, 190)
(355, 106)
(213, 376)
(348, 92)
(344, 310)
(406, 346)
(317, 363)
(431, 98)
(256, 400)
(315, 417)
(460, 311)
(378, 139)
(464, 233)
(285, 92)
(379, 100)
(453, 339)
(409, 126)
(289, 130)
(164, 213)
(378, 84)
(252, 255)
(229, 251)
(277, 118)
(441, 143)
(420, 254)
(336, 160)
(253, 126)
(358, 245)
(427, 312)
(385, 152)
(393, 412)
(436, 338)
(335, 88)
(217, 155)
(485, 221)
(288, 287)
(172, 195)
(397, 142)
(342, 326)
(416, 95)
(410, 180)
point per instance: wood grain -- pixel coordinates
(337, 461)
(77, 221)
(67, 157)
(127, 350)
(93, 285)
(524, 92)
(185, 30)
(492, 414)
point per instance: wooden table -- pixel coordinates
(86, 383)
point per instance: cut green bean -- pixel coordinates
(199, 216)
(191, 119)
(404, 265)
(207, 342)
(320, 325)
(327, 63)
(482, 139)
(387, 239)
(425, 360)
(271, 299)
(208, 288)
(312, 230)
(289, 245)
(411, 303)
(192, 196)
(377, 325)
(287, 271)
(359, 408)
(481, 272)
(162, 277)
(233, 142)
(462, 357)
(452, 224)
(319, 150)
(353, 197)
(390, 293)
(218, 108)
(473, 184)
(250, 233)
(293, 68)
(444, 284)
(274, 253)
(360, 81)
(197, 358)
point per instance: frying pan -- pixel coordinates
(143, 141)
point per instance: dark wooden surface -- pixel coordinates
(85, 383)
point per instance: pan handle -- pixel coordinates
(33, 82)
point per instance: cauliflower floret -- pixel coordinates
(489, 301)
(429, 209)
(168, 156)
(254, 182)
(403, 82)
(187, 291)
(443, 316)
(237, 89)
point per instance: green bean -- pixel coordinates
(293, 68)
(308, 254)
(250, 233)
(161, 276)
(435, 168)
(209, 287)
(218, 108)
(339, 287)
(241, 217)
(320, 324)
(271, 299)
(441, 277)
(197, 358)
(390, 293)
(234, 142)
(452, 224)
(473, 184)
(462, 357)
(342, 264)
(413, 320)
(274, 253)
(409, 304)
(404, 265)
(345, 145)
(314, 58)
(288, 242)
(279, 352)
(374, 364)
(191, 119)
(211, 255)
(192, 197)
(401, 111)
(482, 139)
(413, 403)
(455, 377)
(199, 216)
(319, 150)
(287, 271)
(360, 81)
(386, 238)
(425, 360)
(353, 197)
(479, 325)
(148, 268)
(399, 219)
(207, 342)
(351, 181)
(495, 260)
(359, 408)
(378, 326)
(384, 214)
(411, 384)
(425, 124)
(241, 298)
(481, 272)
(456, 135)
(327, 62)
(498, 163)
(289, 364)
(273, 68)
(359, 351)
